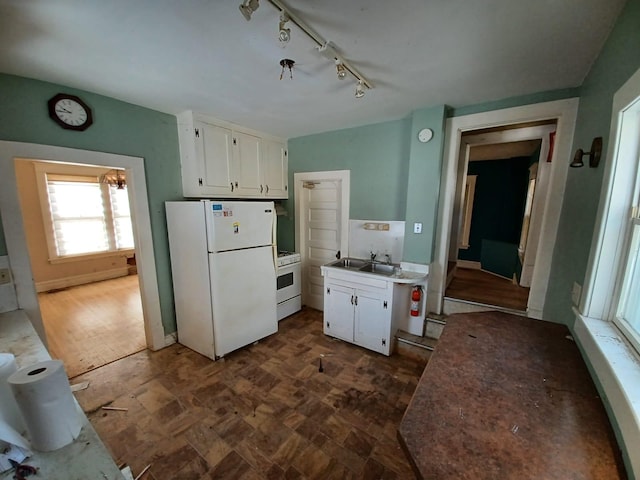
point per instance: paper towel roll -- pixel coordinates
(8, 407)
(49, 410)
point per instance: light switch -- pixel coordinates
(417, 227)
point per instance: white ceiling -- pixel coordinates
(203, 55)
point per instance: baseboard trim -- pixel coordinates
(81, 279)
(469, 264)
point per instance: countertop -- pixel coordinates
(406, 276)
(507, 397)
(87, 457)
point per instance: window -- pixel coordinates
(627, 308)
(607, 319)
(81, 215)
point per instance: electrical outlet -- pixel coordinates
(576, 292)
(4, 276)
(417, 227)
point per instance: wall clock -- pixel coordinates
(70, 112)
(425, 135)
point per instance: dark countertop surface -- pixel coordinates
(506, 397)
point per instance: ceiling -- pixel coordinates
(203, 55)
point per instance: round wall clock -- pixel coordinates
(70, 112)
(425, 135)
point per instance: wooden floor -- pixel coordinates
(482, 287)
(91, 325)
(262, 412)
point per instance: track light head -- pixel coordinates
(340, 70)
(359, 89)
(248, 7)
(285, 33)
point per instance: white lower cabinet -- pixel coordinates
(360, 312)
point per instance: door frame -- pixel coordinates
(13, 225)
(565, 112)
(342, 176)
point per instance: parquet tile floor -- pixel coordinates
(263, 412)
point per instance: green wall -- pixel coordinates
(3, 245)
(619, 59)
(119, 128)
(423, 185)
(378, 157)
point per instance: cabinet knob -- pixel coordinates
(232, 186)
(267, 189)
(261, 189)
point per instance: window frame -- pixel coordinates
(41, 171)
(614, 361)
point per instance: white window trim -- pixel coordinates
(41, 170)
(614, 361)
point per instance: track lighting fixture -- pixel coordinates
(285, 33)
(325, 48)
(248, 7)
(342, 73)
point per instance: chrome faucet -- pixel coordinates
(373, 256)
(387, 258)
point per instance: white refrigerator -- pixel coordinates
(224, 275)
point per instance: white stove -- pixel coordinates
(289, 287)
(287, 258)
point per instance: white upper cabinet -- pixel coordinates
(222, 160)
(275, 168)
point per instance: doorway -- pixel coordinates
(564, 113)
(81, 248)
(497, 223)
(322, 226)
(16, 241)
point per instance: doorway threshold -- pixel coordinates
(456, 305)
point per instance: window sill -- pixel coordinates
(92, 256)
(617, 368)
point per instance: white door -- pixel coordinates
(237, 225)
(243, 297)
(247, 165)
(274, 162)
(372, 319)
(215, 145)
(338, 318)
(322, 217)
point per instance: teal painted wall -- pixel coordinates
(423, 185)
(619, 59)
(3, 245)
(377, 156)
(119, 128)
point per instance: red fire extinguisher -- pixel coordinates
(416, 297)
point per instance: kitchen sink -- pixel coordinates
(379, 268)
(353, 263)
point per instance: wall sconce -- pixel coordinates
(594, 155)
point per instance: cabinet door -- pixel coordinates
(246, 165)
(274, 167)
(372, 321)
(338, 311)
(215, 145)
